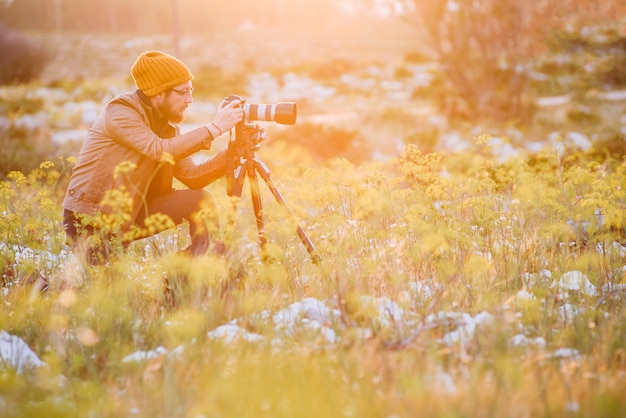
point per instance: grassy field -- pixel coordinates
(451, 284)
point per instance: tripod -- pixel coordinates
(249, 165)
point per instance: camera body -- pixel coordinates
(249, 135)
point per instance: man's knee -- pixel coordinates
(203, 198)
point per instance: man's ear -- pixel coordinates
(158, 98)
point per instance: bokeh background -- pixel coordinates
(369, 76)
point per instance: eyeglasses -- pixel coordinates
(186, 92)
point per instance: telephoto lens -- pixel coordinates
(283, 113)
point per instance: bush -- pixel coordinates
(22, 60)
(23, 147)
(326, 142)
(614, 75)
(589, 58)
(485, 49)
(609, 147)
(481, 48)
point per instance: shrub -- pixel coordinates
(424, 136)
(485, 48)
(481, 47)
(614, 75)
(589, 58)
(609, 147)
(326, 142)
(23, 147)
(22, 106)
(22, 60)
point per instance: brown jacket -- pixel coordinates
(129, 130)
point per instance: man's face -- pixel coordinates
(173, 102)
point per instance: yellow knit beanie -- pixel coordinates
(154, 72)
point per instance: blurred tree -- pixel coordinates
(26, 14)
(482, 48)
(155, 16)
(22, 59)
(87, 15)
(485, 47)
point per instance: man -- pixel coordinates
(135, 148)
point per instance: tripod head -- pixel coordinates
(241, 150)
(247, 140)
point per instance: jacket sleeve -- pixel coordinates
(198, 176)
(126, 126)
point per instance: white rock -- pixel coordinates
(575, 281)
(520, 340)
(140, 356)
(231, 333)
(524, 295)
(465, 325)
(565, 353)
(388, 313)
(308, 308)
(15, 354)
(569, 311)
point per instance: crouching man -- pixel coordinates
(130, 156)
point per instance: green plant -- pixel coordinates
(24, 148)
(416, 302)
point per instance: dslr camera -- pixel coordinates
(248, 135)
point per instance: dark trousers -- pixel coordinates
(195, 206)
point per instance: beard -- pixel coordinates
(175, 116)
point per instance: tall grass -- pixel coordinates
(450, 239)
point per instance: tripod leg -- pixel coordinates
(234, 182)
(257, 204)
(264, 172)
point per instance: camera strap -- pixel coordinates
(229, 168)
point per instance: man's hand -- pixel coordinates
(228, 115)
